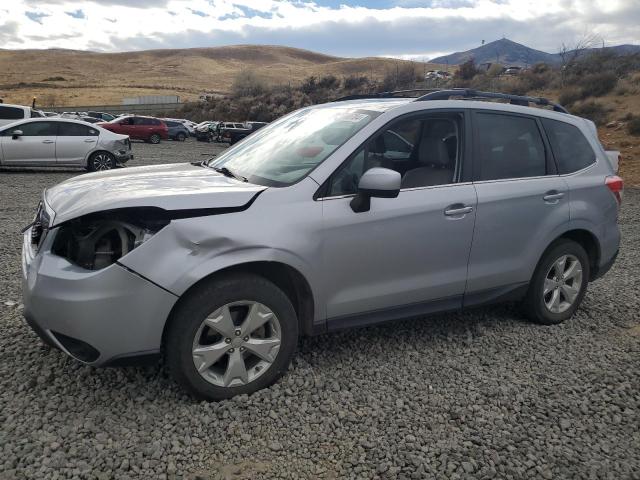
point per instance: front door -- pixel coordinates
(406, 255)
(35, 146)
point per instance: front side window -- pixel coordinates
(571, 150)
(11, 113)
(35, 129)
(76, 130)
(509, 146)
(423, 149)
(285, 151)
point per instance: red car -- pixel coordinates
(149, 129)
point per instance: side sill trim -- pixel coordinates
(395, 313)
(505, 293)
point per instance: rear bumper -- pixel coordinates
(95, 317)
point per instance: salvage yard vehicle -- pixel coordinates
(206, 131)
(232, 135)
(62, 142)
(312, 224)
(13, 113)
(177, 131)
(149, 129)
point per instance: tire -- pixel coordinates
(547, 284)
(181, 137)
(154, 139)
(187, 333)
(100, 161)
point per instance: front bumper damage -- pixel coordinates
(96, 316)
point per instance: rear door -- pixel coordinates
(522, 203)
(36, 145)
(74, 142)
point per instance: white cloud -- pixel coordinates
(447, 25)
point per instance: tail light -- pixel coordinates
(615, 184)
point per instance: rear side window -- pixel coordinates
(570, 148)
(76, 130)
(509, 146)
(11, 113)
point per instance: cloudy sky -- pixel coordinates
(398, 28)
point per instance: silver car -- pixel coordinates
(313, 224)
(62, 142)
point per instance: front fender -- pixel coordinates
(185, 252)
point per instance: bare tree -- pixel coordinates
(569, 54)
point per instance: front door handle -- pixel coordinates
(552, 196)
(89, 140)
(457, 209)
(47, 141)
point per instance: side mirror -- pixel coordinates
(375, 182)
(16, 133)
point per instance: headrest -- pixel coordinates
(433, 151)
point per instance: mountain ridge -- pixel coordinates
(510, 53)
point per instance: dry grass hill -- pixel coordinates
(69, 77)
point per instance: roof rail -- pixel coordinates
(392, 94)
(472, 94)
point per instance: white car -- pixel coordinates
(13, 113)
(52, 142)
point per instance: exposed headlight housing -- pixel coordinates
(40, 225)
(96, 241)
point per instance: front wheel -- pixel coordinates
(154, 139)
(230, 336)
(181, 137)
(558, 284)
(100, 161)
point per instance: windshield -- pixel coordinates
(285, 151)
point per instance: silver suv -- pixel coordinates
(338, 215)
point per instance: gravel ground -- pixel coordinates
(482, 394)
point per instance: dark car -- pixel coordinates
(234, 132)
(149, 129)
(206, 131)
(177, 131)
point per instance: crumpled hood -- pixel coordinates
(178, 186)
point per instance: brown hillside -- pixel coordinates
(92, 78)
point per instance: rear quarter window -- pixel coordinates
(571, 149)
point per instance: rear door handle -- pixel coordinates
(47, 141)
(89, 140)
(457, 209)
(552, 196)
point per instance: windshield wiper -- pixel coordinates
(225, 171)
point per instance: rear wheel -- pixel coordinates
(558, 284)
(230, 336)
(101, 161)
(154, 139)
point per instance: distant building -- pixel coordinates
(151, 99)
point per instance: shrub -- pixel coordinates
(467, 70)
(354, 82)
(570, 95)
(594, 111)
(633, 126)
(597, 84)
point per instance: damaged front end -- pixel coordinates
(98, 240)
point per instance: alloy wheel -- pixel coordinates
(102, 161)
(562, 284)
(236, 344)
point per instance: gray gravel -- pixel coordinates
(476, 395)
